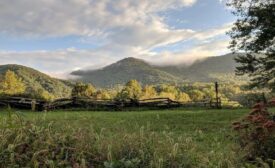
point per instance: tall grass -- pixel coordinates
(80, 140)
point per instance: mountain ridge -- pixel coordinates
(124, 70)
(218, 68)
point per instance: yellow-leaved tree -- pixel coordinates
(132, 90)
(149, 92)
(11, 84)
(83, 90)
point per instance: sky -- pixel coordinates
(59, 36)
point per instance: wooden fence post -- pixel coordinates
(218, 101)
(33, 104)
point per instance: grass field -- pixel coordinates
(167, 138)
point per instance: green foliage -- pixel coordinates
(40, 94)
(253, 32)
(34, 81)
(168, 91)
(196, 95)
(149, 92)
(11, 84)
(183, 97)
(102, 94)
(83, 90)
(132, 90)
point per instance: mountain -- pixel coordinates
(125, 70)
(35, 80)
(219, 68)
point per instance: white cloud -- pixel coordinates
(124, 28)
(61, 62)
(211, 48)
(78, 17)
(56, 63)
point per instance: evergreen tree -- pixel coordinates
(11, 84)
(254, 33)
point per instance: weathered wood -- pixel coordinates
(83, 102)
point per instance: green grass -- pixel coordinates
(167, 138)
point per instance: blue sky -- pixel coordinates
(57, 36)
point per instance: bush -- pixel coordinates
(256, 134)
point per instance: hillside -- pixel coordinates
(35, 80)
(125, 70)
(219, 68)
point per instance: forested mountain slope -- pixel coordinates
(220, 68)
(35, 80)
(125, 70)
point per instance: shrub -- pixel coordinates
(256, 134)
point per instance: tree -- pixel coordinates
(132, 90)
(102, 94)
(168, 91)
(254, 33)
(12, 84)
(209, 92)
(83, 90)
(183, 97)
(43, 94)
(149, 92)
(196, 95)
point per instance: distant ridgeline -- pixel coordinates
(221, 68)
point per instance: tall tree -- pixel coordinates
(11, 84)
(254, 33)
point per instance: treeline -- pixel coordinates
(230, 94)
(12, 85)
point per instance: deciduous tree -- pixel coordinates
(83, 90)
(132, 90)
(12, 84)
(149, 92)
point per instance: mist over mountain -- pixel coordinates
(219, 68)
(124, 70)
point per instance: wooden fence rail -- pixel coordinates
(75, 102)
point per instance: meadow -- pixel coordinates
(166, 138)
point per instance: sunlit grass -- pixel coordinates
(168, 138)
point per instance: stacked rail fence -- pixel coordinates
(90, 103)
